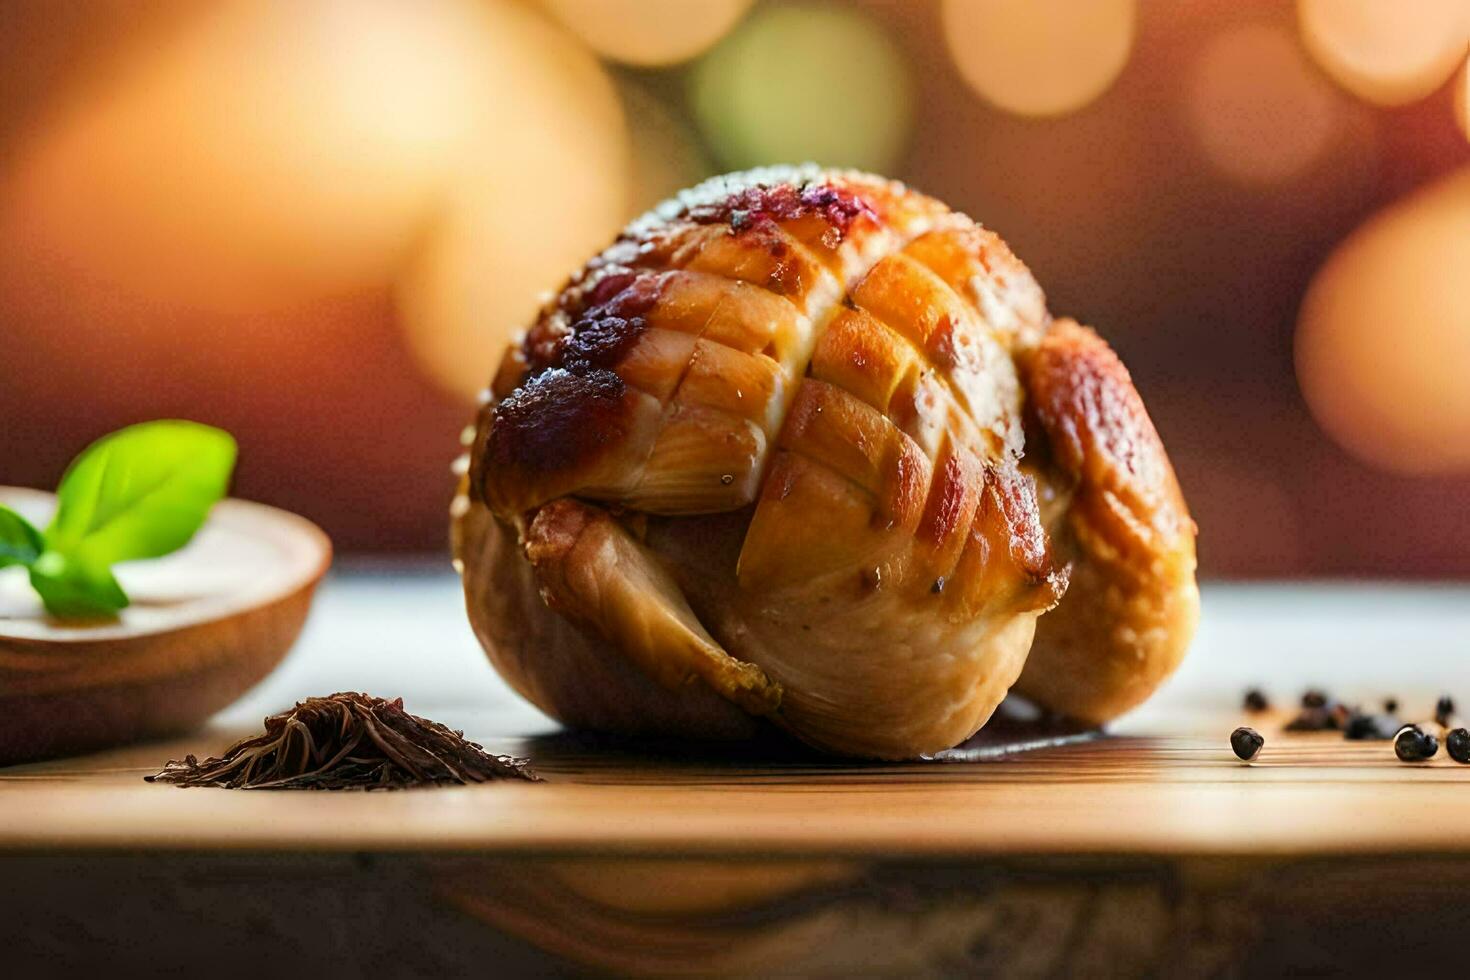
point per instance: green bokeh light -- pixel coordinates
(805, 82)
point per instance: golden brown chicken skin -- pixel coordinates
(761, 462)
(1121, 523)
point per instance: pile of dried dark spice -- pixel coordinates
(347, 741)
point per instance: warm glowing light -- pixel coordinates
(263, 151)
(649, 32)
(541, 186)
(803, 82)
(1039, 57)
(275, 153)
(1259, 111)
(666, 153)
(1384, 336)
(1386, 51)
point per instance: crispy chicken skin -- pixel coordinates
(1132, 605)
(761, 462)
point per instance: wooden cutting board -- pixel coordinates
(1160, 855)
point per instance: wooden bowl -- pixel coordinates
(205, 625)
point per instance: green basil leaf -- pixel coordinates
(141, 492)
(20, 542)
(72, 588)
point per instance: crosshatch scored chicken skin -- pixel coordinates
(805, 448)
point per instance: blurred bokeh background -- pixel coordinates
(315, 222)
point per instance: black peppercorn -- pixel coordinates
(1444, 710)
(1371, 728)
(1319, 713)
(1255, 700)
(1246, 743)
(1414, 744)
(1457, 744)
(1310, 720)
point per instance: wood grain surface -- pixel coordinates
(1126, 856)
(1181, 795)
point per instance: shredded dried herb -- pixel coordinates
(347, 741)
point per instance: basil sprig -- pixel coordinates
(141, 492)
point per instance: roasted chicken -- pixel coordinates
(805, 448)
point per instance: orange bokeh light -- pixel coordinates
(649, 32)
(272, 154)
(1258, 110)
(1039, 57)
(542, 184)
(1386, 51)
(258, 154)
(1384, 335)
